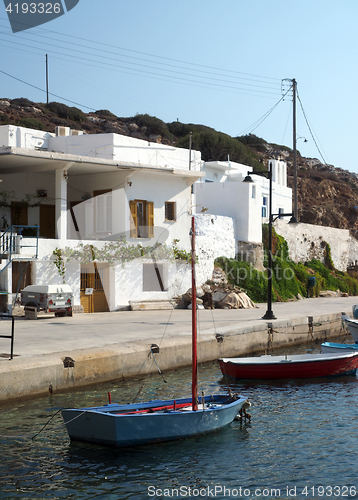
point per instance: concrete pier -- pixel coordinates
(58, 354)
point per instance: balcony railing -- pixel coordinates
(16, 239)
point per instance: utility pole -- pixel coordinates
(47, 77)
(190, 141)
(294, 90)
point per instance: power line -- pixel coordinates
(42, 90)
(245, 79)
(157, 56)
(189, 73)
(258, 122)
(309, 128)
(178, 76)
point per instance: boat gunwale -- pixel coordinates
(270, 360)
(115, 409)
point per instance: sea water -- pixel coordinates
(301, 443)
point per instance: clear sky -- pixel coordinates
(216, 63)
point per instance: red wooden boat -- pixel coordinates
(291, 366)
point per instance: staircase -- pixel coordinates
(15, 240)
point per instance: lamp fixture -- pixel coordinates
(272, 217)
(203, 209)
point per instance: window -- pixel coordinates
(142, 219)
(253, 191)
(103, 210)
(155, 277)
(281, 211)
(264, 201)
(170, 210)
(264, 212)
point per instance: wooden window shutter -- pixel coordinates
(133, 219)
(150, 214)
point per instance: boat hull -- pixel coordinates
(352, 326)
(287, 367)
(333, 347)
(132, 425)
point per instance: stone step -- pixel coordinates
(151, 305)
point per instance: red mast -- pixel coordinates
(194, 386)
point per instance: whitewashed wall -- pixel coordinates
(126, 149)
(235, 200)
(21, 137)
(157, 188)
(214, 238)
(123, 283)
(306, 242)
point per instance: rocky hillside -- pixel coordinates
(326, 195)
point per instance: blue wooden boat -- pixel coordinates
(333, 347)
(156, 421)
(152, 422)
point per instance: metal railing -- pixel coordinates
(11, 241)
(12, 333)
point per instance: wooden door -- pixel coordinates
(21, 275)
(47, 221)
(93, 297)
(18, 214)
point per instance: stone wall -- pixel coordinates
(252, 253)
(214, 238)
(308, 241)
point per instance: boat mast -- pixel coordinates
(194, 384)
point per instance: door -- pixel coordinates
(47, 221)
(93, 296)
(18, 214)
(21, 275)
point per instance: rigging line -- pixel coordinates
(156, 56)
(146, 60)
(151, 352)
(159, 370)
(42, 90)
(309, 128)
(53, 416)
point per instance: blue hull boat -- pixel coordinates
(156, 421)
(332, 347)
(151, 422)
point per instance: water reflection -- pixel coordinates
(302, 432)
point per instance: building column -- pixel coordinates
(61, 201)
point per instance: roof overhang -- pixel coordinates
(19, 160)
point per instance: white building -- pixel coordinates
(224, 193)
(94, 189)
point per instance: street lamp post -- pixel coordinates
(272, 217)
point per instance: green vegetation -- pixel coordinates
(66, 112)
(153, 126)
(254, 142)
(105, 112)
(117, 252)
(30, 123)
(214, 145)
(22, 101)
(288, 279)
